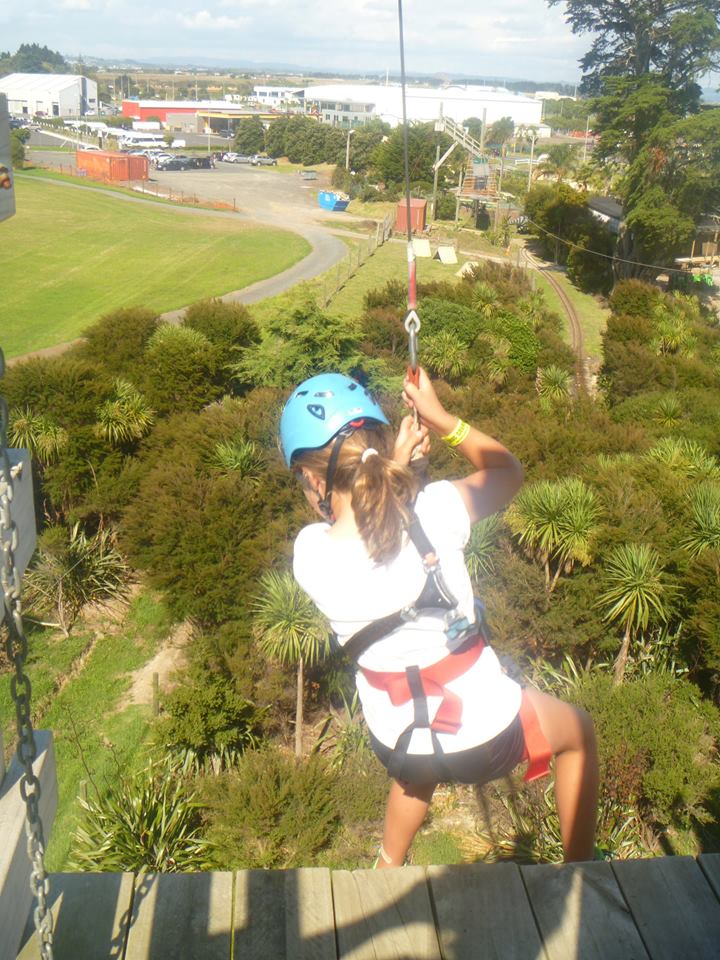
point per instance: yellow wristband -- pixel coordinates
(459, 434)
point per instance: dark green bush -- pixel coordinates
(207, 721)
(272, 812)
(634, 298)
(228, 326)
(658, 743)
(393, 294)
(180, 371)
(117, 341)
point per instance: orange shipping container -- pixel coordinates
(417, 216)
(110, 165)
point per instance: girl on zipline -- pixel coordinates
(386, 567)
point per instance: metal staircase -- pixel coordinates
(459, 135)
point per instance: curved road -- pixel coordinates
(267, 197)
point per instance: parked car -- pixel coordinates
(173, 163)
(258, 161)
(227, 157)
(201, 163)
(227, 134)
(241, 158)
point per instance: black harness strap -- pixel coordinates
(434, 595)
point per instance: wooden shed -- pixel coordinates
(111, 165)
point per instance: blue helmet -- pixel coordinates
(319, 408)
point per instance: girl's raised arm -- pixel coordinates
(498, 474)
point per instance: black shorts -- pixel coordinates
(478, 765)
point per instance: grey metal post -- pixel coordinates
(482, 132)
(435, 182)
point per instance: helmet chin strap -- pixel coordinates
(325, 502)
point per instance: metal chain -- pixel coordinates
(20, 690)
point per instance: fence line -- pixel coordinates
(354, 259)
(141, 187)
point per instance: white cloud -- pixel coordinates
(204, 20)
(521, 38)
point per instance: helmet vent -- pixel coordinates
(324, 393)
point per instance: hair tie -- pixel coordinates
(369, 452)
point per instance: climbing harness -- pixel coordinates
(17, 648)
(417, 684)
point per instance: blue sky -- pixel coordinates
(514, 38)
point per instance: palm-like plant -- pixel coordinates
(289, 629)
(636, 594)
(553, 386)
(532, 308)
(704, 527)
(497, 367)
(685, 456)
(668, 410)
(485, 299)
(447, 356)
(243, 457)
(72, 570)
(481, 546)
(37, 433)
(125, 419)
(561, 161)
(556, 523)
(672, 330)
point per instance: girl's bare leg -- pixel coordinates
(569, 731)
(406, 809)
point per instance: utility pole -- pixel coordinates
(435, 182)
(587, 130)
(499, 187)
(533, 139)
(482, 131)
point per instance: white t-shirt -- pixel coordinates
(351, 590)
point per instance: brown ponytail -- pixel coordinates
(383, 491)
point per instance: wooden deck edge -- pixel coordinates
(15, 893)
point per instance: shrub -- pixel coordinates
(118, 340)
(271, 812)
(208, 724)
(228, 326)
(634, 298)
(151, 821)
(658, 743)
(180, 370)
(393, 294)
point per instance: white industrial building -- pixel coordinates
(351, 105)
(49, 94)
(276, 96)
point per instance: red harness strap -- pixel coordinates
(537, 749)
(449, 717)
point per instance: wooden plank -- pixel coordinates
(90, 916)
(181, 916)
(15, 895)
(482, 903)
(710, 866)
(384, 915)
(284, 913)
(674, 907)
(581, 912)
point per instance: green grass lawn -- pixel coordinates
(593, 316)
(71, 256)
(92, 733)
(389, 262)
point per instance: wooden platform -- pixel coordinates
(662, 909)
